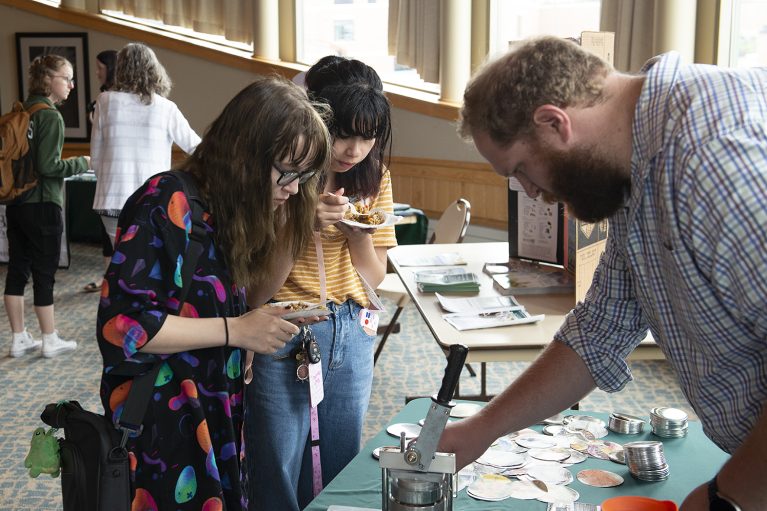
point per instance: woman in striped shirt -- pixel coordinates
(277, 404)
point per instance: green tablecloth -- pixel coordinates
(692, 460)
(413, 233)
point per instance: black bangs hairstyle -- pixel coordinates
(354, 92)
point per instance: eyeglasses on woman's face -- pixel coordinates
(288, 176)
(70, 81)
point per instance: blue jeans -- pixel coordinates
(277, 427)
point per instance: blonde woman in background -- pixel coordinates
(134, 129)
(35, 225)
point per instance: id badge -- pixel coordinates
(369, 321)
(316, 388)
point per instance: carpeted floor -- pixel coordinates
(411, 364)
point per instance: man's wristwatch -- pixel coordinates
(717, 501)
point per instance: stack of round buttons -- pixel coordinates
(646, 461)
(668, 422)
(625, 424)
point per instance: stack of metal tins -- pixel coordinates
(668, 422)
(625, 424)
(646, 461)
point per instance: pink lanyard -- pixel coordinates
(313, 416)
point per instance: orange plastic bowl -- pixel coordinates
(637, 504)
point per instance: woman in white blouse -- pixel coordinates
(134, 129)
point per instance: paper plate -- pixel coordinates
(411, 430)
(551, 474)
(462, 410)
(377, 451)
(502, 459)
(307, 310)
(536, 440)
(389, 219)
(599, 478)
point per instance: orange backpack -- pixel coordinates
(17, 173)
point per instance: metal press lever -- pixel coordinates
(420, 452)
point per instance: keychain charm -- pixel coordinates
(302, 371)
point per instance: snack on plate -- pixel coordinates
(298, 306)
(374, 218)
(364, 215)
(300, 309)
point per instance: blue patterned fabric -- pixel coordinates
(687, 255)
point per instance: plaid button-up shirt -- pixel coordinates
(687, 255)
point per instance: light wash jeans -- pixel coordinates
(277, 427)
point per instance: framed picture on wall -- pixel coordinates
(74, 47)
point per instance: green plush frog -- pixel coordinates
(43, 457)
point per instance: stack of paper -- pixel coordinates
(447, 259)
(450, 280)
(485, 312)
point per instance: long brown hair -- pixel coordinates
(268, 121)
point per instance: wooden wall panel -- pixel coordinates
(431, 185)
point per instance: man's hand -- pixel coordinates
(462, 439)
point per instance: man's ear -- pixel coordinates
(552, 123)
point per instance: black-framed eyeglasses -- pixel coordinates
(288, 176)
(68, 79)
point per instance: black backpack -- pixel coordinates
(95, 469)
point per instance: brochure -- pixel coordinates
(464, 321)
(478, 304)
(446, 259)
(445, 276)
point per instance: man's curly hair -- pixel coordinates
(501, 98)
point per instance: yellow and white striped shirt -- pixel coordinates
(342, 280)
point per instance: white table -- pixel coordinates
(512, 343)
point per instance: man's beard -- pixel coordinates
(592, 187)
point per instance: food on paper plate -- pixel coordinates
(301, 309)
(362, 214)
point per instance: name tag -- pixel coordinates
(369, 321)
(316, 389)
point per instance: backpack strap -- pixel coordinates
(135, 405)
(37, 107)
(32, 110)
(197, 234)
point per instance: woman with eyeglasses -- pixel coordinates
(257, 220)
(134, 129)
(279, 419)
(35, 225)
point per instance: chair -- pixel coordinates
(451, 228)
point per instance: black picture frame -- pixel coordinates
(74, 47)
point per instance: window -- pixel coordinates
(328, 27)
(344, 30)
(513, 20)
(220, 39)
(748, 40)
